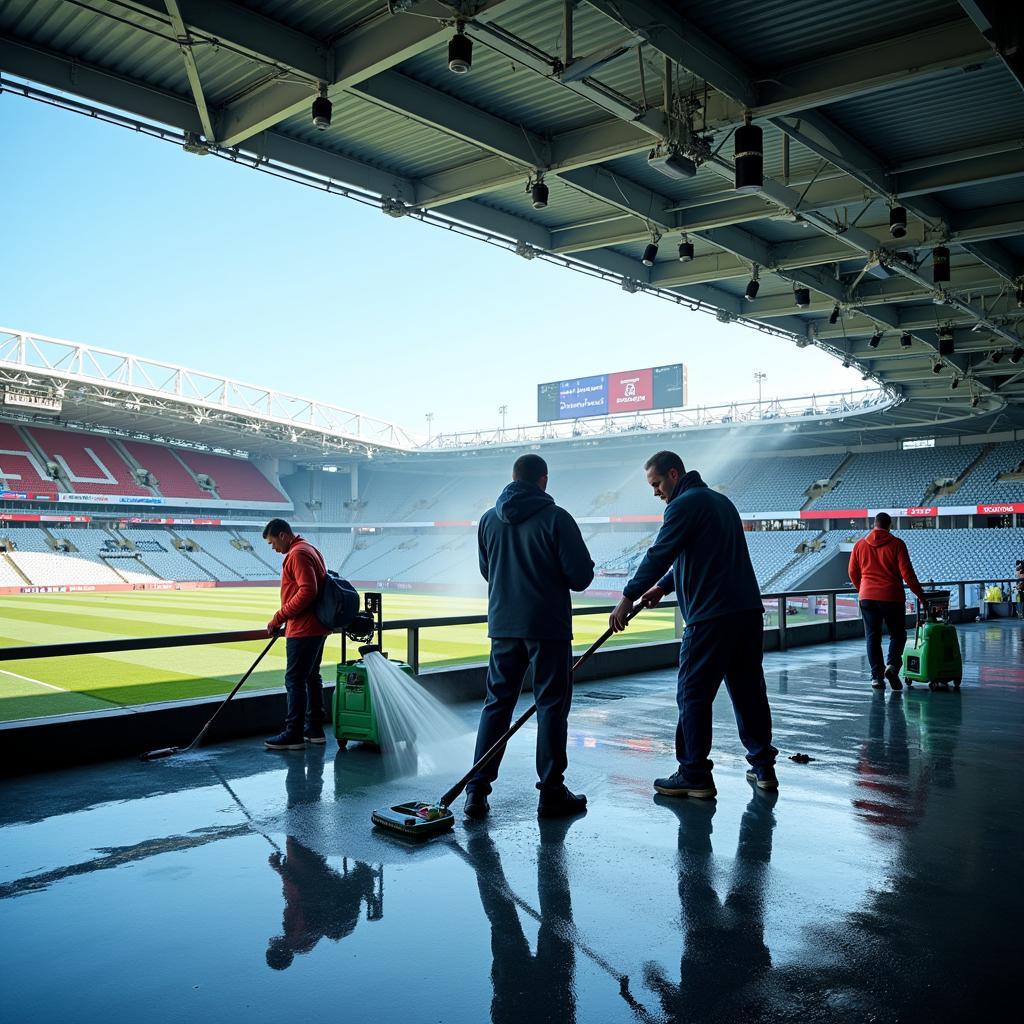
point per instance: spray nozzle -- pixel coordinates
(368, 649)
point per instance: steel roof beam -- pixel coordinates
(817, 83)
(59, 72)
(654, 14)
(432, 107)
(978, 170)
(1000, 25)
(191, 70)
(851, 73)
(356, 57)
(664, 28)
(579, 147)
(623, 193)
(260, 37)
(914, 188)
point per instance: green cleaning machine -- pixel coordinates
(352, 707)
(935, 656)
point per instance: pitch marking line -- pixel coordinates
(61, 689)
(38, 682)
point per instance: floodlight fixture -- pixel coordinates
(538, 192)
(321, 110)
(671, 162)
(996, 356)
(906, 339)
(898, 221)
(802, 297)
(753, 285)
(685, 250)
(650, 253)
(954, 384)
(833, 317)
(974, 401)
(936, 367)
(940, 264)
(876, 339)
(460, 51)
(749, 156)
(1017, 355)
(946, 343)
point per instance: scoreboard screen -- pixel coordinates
(658, 387)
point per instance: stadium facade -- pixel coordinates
(120, 473)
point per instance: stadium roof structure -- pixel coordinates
(97, 388)
(581, 132)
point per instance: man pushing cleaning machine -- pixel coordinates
(700, 553)
(532, 555)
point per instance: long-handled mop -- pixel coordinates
(419, 820)
(155, 755)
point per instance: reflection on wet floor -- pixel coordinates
(879, 884)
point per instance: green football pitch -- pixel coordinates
(56, 686)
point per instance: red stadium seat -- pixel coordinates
(92, 464)
(20, 468)
(236, 479)
(173, 479)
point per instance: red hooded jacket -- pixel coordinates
(302, 572)
(879, 566)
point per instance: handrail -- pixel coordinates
(412, 627)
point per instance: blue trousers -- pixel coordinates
(894, 615)
(303, 683)
(551, 661)
(729, 647)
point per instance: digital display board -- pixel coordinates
(657, 387)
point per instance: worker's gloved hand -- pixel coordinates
(273, 628)
(620, 616)
(651, 598)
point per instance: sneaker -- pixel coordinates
(877, 684)
(285, 741)
(678, 784)
(314, 736)
(476, 805)
(560, 803)
(892, 673)
(764, 775)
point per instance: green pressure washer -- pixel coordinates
(352, 706)
(935, 656)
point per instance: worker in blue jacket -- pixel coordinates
(532, 555)
(700, 553)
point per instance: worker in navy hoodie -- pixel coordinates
(532, 555)
(701, 554)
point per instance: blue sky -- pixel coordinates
(126, 242)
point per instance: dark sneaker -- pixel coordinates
(315, 736)
(892, 673)
(560, 803)
(476, 805)
(764, 775)
(877, 684)
(679, 784)
(285, 741)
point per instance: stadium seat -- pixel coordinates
(235, 479)
(173, 479)
(90, 462)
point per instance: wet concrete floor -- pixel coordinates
(880, 884)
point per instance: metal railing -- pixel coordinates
(414, 627)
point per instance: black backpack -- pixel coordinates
(337, 603)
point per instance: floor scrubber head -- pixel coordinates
(415, 820)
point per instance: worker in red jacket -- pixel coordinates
(302, 574)
(879, 567)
